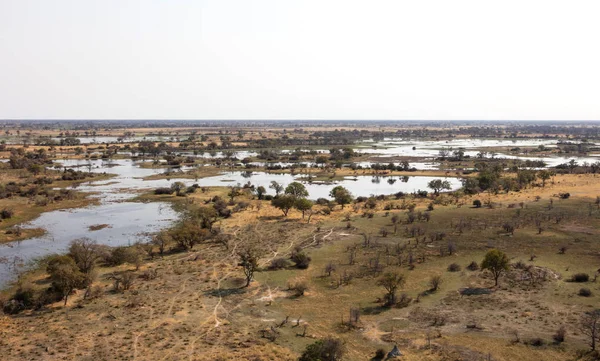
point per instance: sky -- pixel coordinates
(300, 59)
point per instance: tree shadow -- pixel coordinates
(374, 310)
(224, 292)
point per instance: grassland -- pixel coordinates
(197, 308)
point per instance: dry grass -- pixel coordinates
(196, 309)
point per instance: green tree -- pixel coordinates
(260, 192)
(249, 261)
(496, 262)
(284, 203)
(321, 160)
(65, 275)
(207, 216)
(234, 191)
(341, 195)
(278, 188)
(438, 185)
(296, 190)
(303, 205)
(544, 176)
(188, 234)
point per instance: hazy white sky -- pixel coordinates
(284, 59)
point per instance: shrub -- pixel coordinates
(454, 267)
(278, 263)
(120, 255)
(584, 292)
(537, 342)
(299, 288)
(473, 266)
(329, 349)
(580, 277)
(371, 203)
(560, 334)
(41, 201)
(435, 282)
(6, 213)
(322, 201)
(23, 299)
(403, 301)
(301, 260)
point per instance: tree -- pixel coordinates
(496, 262)
(207, 216)
(544, 176)
(234, 191)
(188, 234)
(260, 192)
(296, 190)
(85, 253)
(284, 203)
(65, 275)
(391, 281)
(341, 195)
(321, 160)
(249, 261)
(590, 326)
(438, 185)
(329, 349)
(161, 240)
(278, 188)
(303, 205)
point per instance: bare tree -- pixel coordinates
(85, 253)
(590, 326)
(391, 281)
(435, 282)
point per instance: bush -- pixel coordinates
(23, 299)
(301, 260)
(120, 255)
(299, 288)
(537, 342)
(584, 292)
(564, 195)
(473, 266)
(560, 334)
(278, 263)
(454, 267)
(322, 201)
(329, 349)
(6, 213)
(580, 277)
(403, 301)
